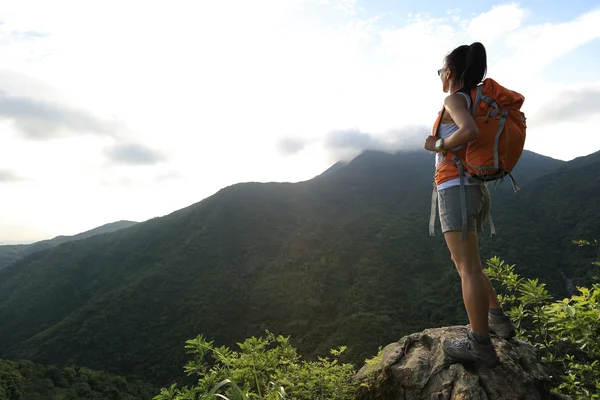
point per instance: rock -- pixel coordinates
(416, 368)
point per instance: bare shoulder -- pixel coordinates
(453, 105)
(455, 101)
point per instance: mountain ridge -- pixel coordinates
(11, 253)
(344, 258)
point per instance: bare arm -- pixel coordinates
(456, 106)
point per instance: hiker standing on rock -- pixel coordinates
(463, 148)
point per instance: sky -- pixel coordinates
(113, 110)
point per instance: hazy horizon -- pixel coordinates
(156, 113)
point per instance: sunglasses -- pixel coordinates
(440, 71)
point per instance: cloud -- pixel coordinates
(350, 139)
(511, 14)
(119, 182)
(272, 69)
(39, 120)
(349, 7)
(169, 176)
(532, 48)
(291, 145)
(24, 36)
(29, 44)
(345, 144)
(570, 105)
(10, 35)
(7, 176)
(138, 178)
(133, 154)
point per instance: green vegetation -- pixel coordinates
(11, 253)
(342, 258)
(269, 368)
(27, 381)
(565, 331)
(266, 368)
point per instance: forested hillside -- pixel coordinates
(344, 258)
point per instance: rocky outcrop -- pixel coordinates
(416, 368)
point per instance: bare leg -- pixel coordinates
(476, 293)
(492, 297)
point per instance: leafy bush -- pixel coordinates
(267, 368)
(565, 331)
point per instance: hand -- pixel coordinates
(430, 143)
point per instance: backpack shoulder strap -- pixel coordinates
(478, 95)
(467, 96)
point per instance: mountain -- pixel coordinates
(11, 253)
(590, 159)
(532, 166)
(344, 258)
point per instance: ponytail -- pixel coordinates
(476, 66)
(469, 63)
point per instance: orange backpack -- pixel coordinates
(495, 151)
(499, 145)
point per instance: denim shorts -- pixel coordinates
(478, 207)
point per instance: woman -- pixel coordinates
(464, 68)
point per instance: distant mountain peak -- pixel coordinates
(11, 253)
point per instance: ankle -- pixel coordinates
(497, 311)
(477, 338)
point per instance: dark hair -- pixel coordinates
(469, 63)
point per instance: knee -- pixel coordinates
(467, 268)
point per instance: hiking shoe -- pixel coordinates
(467, 350)
(502, 326)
